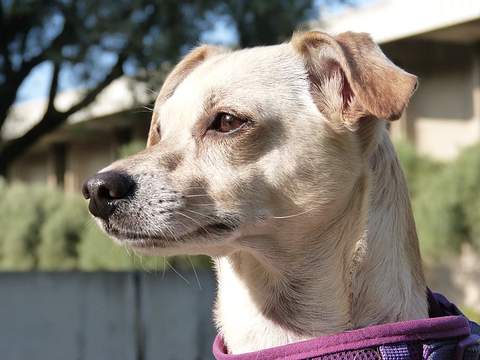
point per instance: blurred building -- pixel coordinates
(439, 41)
(88, 142)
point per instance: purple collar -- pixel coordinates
(444, 323)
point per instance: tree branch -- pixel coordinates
(15, 79)
(52, 119)
(52, 93)
(56, 43)
(115, 72)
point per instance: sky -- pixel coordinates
(36, 84)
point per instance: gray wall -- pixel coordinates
(121, 316)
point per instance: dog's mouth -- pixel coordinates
(167, 238)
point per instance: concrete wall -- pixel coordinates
(139, 316)
(442, 113)
(121, 316)
(87, 148)
(32, 168)
(443, 116)
(85, 159)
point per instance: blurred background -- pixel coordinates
(77, 84)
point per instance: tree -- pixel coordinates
(266, 22)
(98, 41)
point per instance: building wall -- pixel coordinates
(67, 159)
(443, 116)
(34, 167)
(85, 159)
(82, 159)
(442, 112)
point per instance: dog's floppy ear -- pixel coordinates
(352, 69)
(176, 76)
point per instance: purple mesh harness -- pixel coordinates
(446, 335)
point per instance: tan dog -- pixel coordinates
(273, 161)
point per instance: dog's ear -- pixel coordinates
(352, 78)
(176, 76)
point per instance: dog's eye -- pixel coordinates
(226, 123)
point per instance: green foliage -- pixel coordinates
(45, 229)
(439, 215)
(131, 148)
(98, 252)
(473, 221)
(17, 231)
(266, 22)
(446, 199)
(417, 168)
(60, 234)
(466, 172)
(472, 314)
(24, 210)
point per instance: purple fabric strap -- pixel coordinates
(396, 339)
(402, 351)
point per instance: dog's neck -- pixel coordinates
(362, 267)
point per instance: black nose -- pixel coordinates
(104, 190)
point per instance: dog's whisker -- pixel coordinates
(195, 188)
(202, 207)
(176, 272)
(141, 111)
(151, 91)
(174, 237)
(195, 221)
(294, 215)
(195, 273)
(164, 267)
(127, 250)
(204, 215)
(202, 204)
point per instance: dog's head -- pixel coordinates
(242, 142)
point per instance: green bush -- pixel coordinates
(45, 229)
(418, 169)
(473, 221)
(439, 215)
(466, 172)
(446, 199)
(24, 210)
(61, 233)
(3, 191)
(98, 252)
(131, 148)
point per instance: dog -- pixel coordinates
(276, 161)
